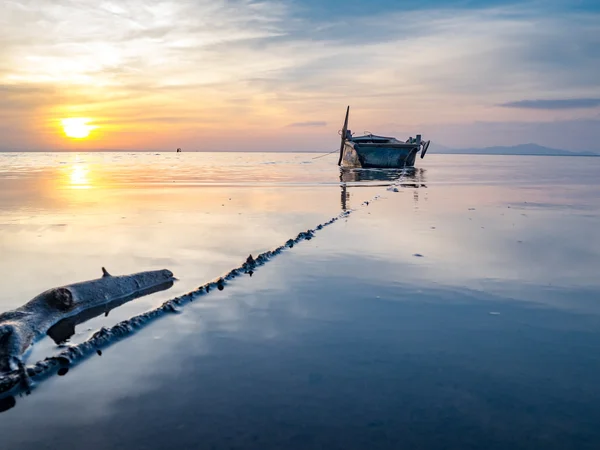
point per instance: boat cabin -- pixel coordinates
(372, 139)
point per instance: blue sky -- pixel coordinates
(315, 8)
(200, 74)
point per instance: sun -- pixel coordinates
(77, 127)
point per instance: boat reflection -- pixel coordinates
(401, 178)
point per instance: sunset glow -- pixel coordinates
(277, 75)
(77, 128)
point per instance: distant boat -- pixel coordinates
(178, 150)
(371, 151)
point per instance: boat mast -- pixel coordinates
(344, 136)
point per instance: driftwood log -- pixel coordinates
(49, 312)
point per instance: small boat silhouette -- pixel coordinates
(372, 151)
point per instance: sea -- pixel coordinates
(453, 306)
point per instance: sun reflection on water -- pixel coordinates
(79, 176)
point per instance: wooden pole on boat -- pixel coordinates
(344, 136)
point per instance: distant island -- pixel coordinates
(522, 149)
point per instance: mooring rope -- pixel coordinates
(25, 377)
(326, 154)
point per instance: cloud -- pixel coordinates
(308, 124)
(579, 135)
(162, 68)
(574, 103)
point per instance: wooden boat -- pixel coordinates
(371, 151)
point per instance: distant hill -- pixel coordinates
(522, 149)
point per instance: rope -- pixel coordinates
(320, 156)
(21, 380)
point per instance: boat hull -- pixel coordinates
(385, 156)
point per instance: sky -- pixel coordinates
(277, 75)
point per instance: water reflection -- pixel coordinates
(78, 176)
(407, 178)
(7, 403)
(63, 330)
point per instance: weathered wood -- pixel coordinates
(378, 151)
(425, 147)
(378, 156)
(20, 328)
(344, 130)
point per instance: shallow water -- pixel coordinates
(460, 312)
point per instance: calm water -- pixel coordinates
(489, 339)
